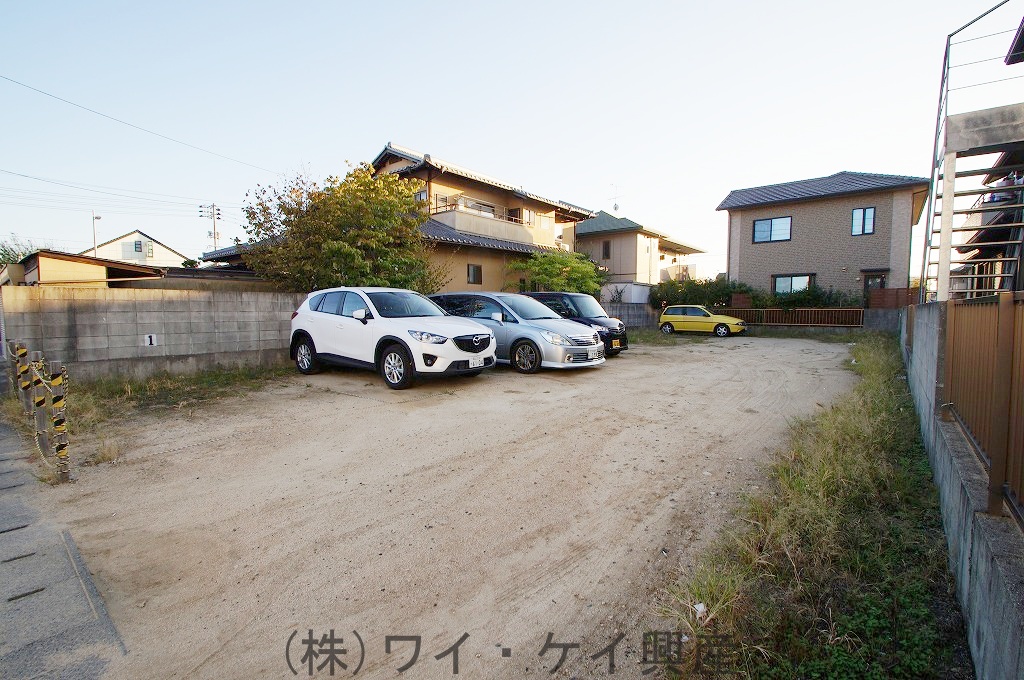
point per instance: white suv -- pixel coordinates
(397, 332)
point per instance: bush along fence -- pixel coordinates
(41, 387)
(984, 389)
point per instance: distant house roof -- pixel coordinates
(420, 160)
(88, 259)
(604, 223)
(140, 233)
(838, 184)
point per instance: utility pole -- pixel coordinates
(213, 212)
(94, 218)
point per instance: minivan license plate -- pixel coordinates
(591, 352)
(476, 362)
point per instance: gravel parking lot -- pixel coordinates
(503, 506)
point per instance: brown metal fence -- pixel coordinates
(984, 388)
(852, 317)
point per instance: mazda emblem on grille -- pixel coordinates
(477, 339)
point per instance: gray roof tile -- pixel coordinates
(819, 187)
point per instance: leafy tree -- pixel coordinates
(189, 263)
(359, 231)
(560, 270)
(13, 249)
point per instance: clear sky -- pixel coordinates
(660, 107)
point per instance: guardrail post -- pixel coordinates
(1000, 415)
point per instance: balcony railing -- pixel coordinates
(443, 203)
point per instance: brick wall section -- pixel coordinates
(100, 332)
(822, 243)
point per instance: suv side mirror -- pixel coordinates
(499, 317)
(360, 315)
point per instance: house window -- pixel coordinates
(149, 250)
(138, 246)
(475, 273)
(606, 250)
(784, 284)
(421, 196)
(773, 229)
(863, 221)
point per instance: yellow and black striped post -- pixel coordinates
(39, 410)
(24, 381)
(59, 420)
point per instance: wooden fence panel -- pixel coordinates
(847, 317)
(984, 387)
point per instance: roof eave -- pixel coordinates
(874, 190)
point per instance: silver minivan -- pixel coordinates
(529, 335)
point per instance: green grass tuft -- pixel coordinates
(841, 571)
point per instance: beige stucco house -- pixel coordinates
(479, 224)
(849, 232)
(634, 256)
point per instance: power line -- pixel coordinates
(142, 129)
(83, 188)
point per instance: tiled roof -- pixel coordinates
(442, 233)
(433, 231)
(419, 160)
(819, 187)
(605, 223)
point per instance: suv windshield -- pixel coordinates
(395, 305)
(528, 308)
(588, 306)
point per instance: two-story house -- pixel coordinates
(849, 232)
(634, 256)
(136, 247)
(479, 224)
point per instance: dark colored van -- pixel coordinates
(584, 309)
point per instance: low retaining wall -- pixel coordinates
(986, 553)
(633, 314)
(103, 332)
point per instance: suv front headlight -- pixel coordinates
(553, 338)
(429, 338)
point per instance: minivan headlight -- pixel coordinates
(429, 338)
(553, 338)
(599, 329)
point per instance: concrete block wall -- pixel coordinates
(633, 314)
(986, 553)
(102, 332)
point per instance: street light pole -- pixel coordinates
(94, 218)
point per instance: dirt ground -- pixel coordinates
(502, 506)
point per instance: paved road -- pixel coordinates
(53, 623)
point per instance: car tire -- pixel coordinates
(667, 329)
(525, 357)
(305, 357)
(722, 331)
(396, 367)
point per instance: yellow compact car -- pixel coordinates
(697, 318)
